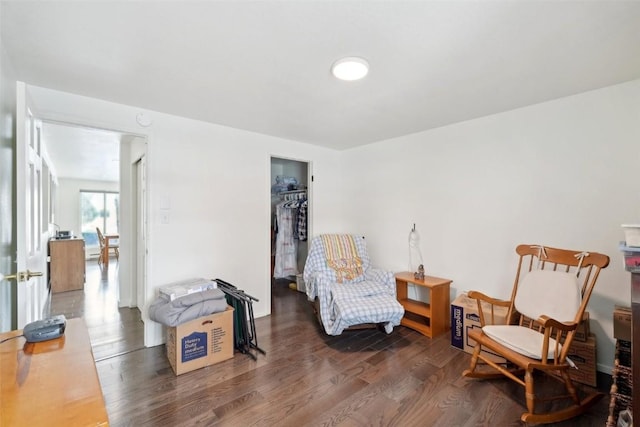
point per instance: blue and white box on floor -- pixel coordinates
(201, 342)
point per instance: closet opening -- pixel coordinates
(290, 223)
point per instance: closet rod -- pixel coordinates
(292, 191)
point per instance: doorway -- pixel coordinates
(93, 161)
(290, 221)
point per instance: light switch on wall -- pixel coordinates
(164, 217)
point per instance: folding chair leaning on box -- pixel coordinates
(245, 338)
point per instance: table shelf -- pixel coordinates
(418, 326)
(430, 319)
(416, 307)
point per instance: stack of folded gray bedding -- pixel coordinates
(187, 307)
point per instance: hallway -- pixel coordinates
(113, 331)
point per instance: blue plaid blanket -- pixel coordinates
(370, 298)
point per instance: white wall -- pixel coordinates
(562, 173)
(216, 182)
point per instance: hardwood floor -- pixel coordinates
(112, 330)
(306, 378)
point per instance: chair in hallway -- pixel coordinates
(105, 248)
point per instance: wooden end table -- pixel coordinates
(51, 383)
(430, 319)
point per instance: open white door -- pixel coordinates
(30, 240)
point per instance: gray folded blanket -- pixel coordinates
(187, 307)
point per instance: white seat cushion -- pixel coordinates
(525, 341)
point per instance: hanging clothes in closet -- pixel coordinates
(291, 224)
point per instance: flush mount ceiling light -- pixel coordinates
(350, 69)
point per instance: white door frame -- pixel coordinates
(140, 223)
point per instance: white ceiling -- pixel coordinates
(82, 153)
(264, 66)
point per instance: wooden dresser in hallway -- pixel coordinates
(66, 265)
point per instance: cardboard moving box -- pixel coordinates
(583, 354)
(622, 323)
(465, 317)
(200, 342)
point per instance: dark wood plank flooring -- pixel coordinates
(361, 378)
(112, 330)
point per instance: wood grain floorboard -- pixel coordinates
(112, 330)
(307, 378)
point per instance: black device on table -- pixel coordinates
(45, 329)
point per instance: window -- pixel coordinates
(99, 209)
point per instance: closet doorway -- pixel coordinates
(290, 221)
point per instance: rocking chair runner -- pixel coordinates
(552, 286)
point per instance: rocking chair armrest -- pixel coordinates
(485, 298)
(493, 302)
(553, 330)
(548, 322)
